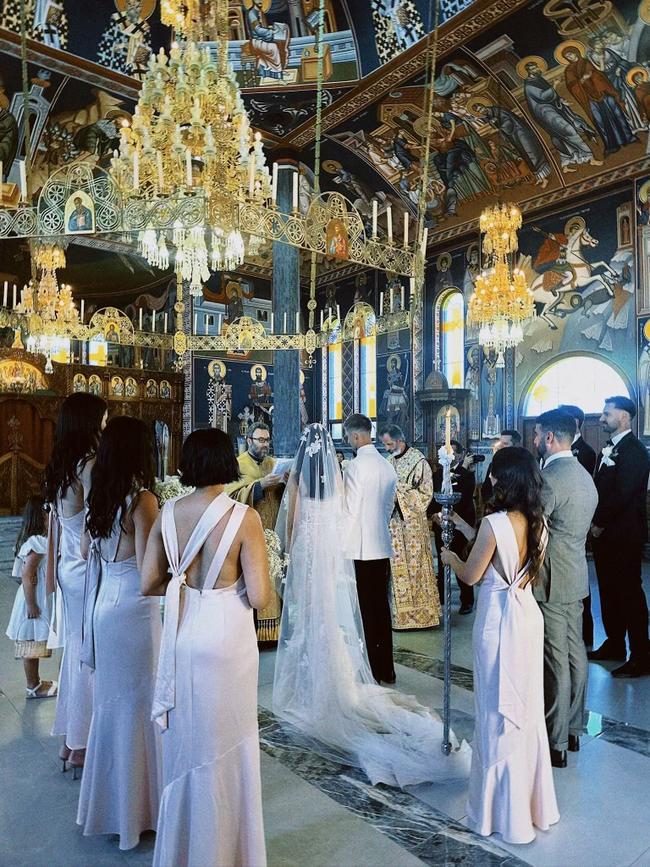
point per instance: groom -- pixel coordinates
(370, 485)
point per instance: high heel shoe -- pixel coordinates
(64, 755)
(76, 761)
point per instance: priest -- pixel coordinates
(261, 488)
(415, 602)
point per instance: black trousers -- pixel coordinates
(587, 622)
(373, 587)
(458, 544)
(623, 604)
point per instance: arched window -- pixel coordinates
(581, 380)
(335, 384)
(452, 334)
(368, 376)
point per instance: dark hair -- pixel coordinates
(518, 487)
(559, 423)
(574, 411)
(75, 440)
(357, 423)
(619, 401)
(34, 523)
(208, 458)
(124, 463)
(256, 425)
(456, 444)
(395, 432)
(514, 434)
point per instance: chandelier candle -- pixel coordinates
(140, 312)
(374, 218)
(389, 221)
(23, 180)
(406, 229)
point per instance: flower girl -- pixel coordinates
(29, 622)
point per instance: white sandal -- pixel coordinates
(33, 691)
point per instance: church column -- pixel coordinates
(286, 300)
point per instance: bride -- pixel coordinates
(323, 683)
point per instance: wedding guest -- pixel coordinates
(414, 595)
(580, 448)
(570, 500)
(120, 788)
(507, 438)
(206, 690)
(464, 483)
(587, 457)
(511, 788)
(67, 481)
(29, 621)
(370, 485)
(619, 531)
(257, 485)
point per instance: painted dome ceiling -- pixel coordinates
(520, 91)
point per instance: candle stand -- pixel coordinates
(447, 499)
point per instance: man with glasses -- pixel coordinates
(261, 488)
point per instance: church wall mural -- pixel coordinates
(251, 392)
(643, 390)
(394, 381)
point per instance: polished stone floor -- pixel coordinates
(318, 812)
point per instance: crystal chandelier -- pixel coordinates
(191, 133)
(47, 306)
(501, 301)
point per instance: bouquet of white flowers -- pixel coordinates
(278, 560)
(170, 488)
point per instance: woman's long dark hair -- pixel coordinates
(124, 463)
(34, 521)
(75, 440)
(518, 488)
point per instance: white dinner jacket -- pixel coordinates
(370, 484)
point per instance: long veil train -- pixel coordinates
(323, 682)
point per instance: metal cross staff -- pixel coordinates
(447, 499)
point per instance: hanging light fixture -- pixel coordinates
(501, 301)
(191, 133)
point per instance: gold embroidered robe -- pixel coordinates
(268, 619)
(415, 603)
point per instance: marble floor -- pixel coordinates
(318, 812)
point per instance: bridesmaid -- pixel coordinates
(67, 477)
(511, 789)
(206, 690)
(120, 789)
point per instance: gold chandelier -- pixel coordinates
(501, 301)
(49, 309)
(191, 132)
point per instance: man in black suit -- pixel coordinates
(506, 438)
(463, 483)
(581, 449)
(587, 457)
(619, 531)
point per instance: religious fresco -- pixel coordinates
(251, 395)
(394, 405)
(281, 113)
(643, 383)
(71, 122)
(581, 268)
(119, 35)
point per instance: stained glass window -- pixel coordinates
(579, 380)
(452, 330)
(368, 376)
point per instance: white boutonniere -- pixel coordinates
(608, 460)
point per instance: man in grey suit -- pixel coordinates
(570, 500)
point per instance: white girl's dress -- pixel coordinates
(206, 701)
(121, 783)
(20, 627)
(74, 704)
(511, 789)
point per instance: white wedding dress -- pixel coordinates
(323, 682)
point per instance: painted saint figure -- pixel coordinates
(394, 408)
(564, 127)
(125, 45)
(269, 42)
(593, 91)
